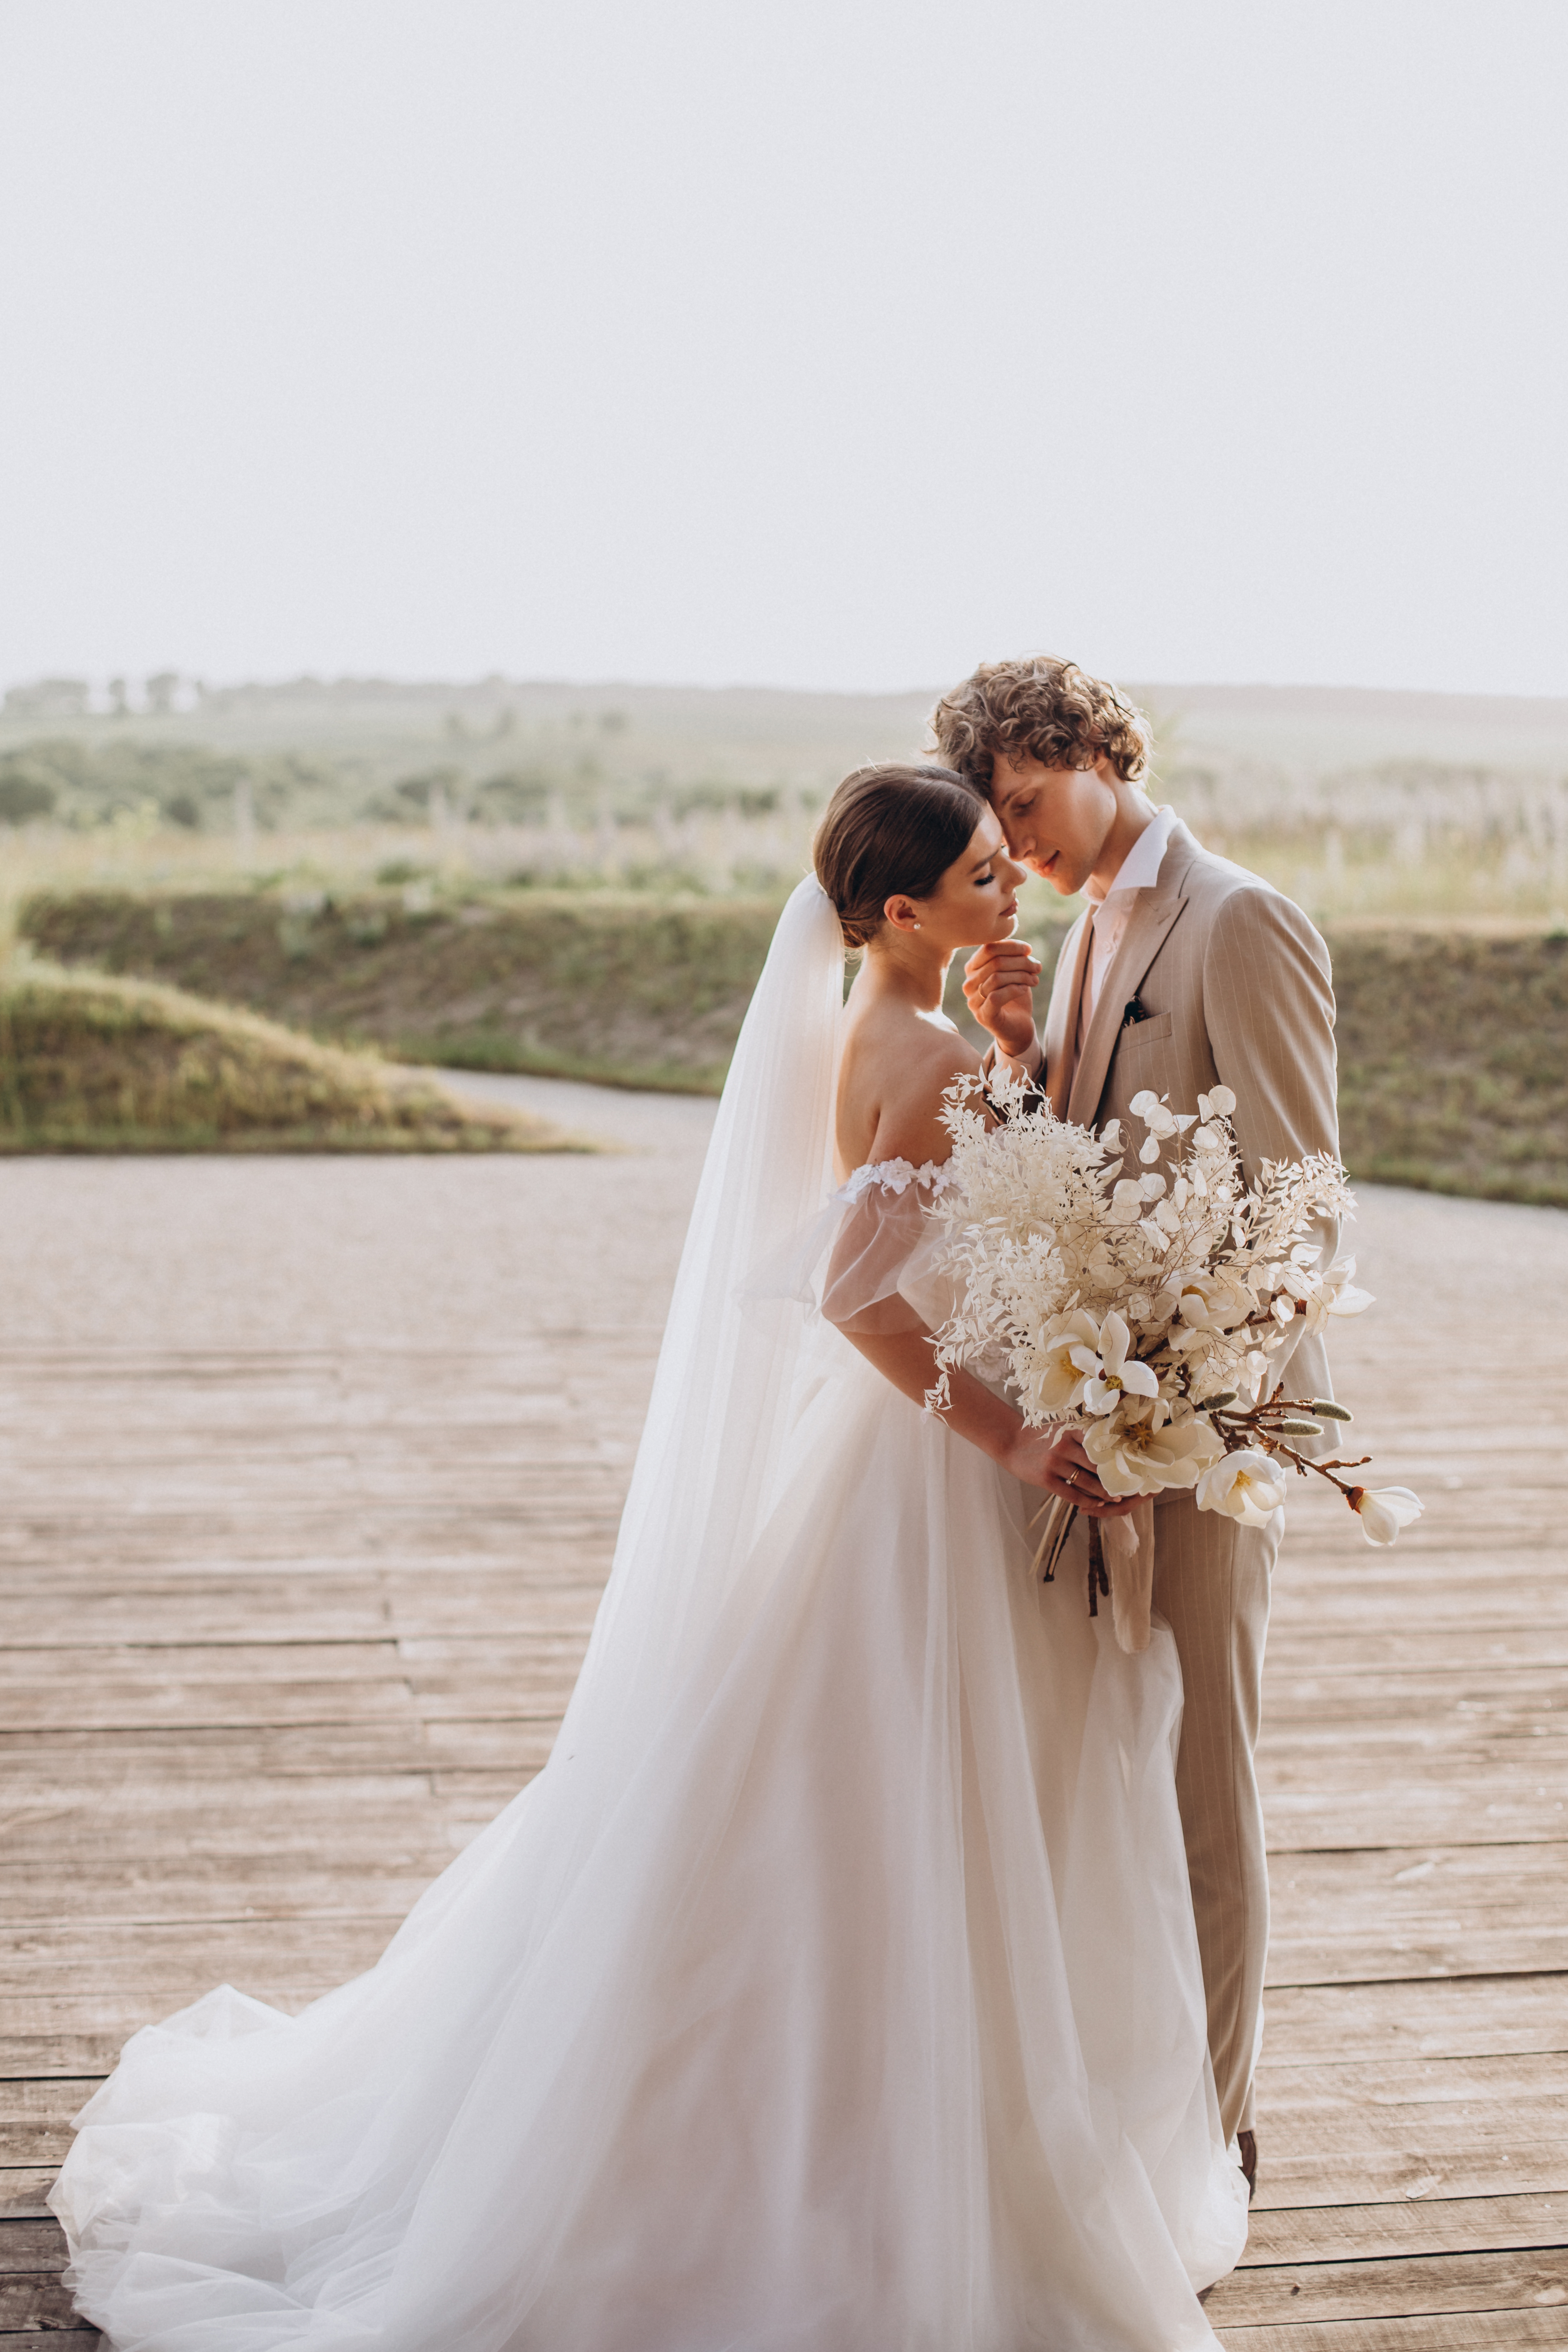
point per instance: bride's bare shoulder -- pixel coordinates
(896, 1068)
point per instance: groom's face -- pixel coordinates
(1056, 820)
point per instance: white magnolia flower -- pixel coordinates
(1334, 1293)
(1344, 1297)
(1245, 1486)
(1385, 1510)
(1136, 1459)
(1068, 1359)
(1116, 1373)
(1213, 1302)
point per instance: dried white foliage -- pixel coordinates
(1145, 1309)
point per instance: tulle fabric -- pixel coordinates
(879, 1246)
(834, 1987)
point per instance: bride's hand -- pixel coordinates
(1055, 1459)
(999, 989)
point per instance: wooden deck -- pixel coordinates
(315, 1468)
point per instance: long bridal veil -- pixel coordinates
(724, 1395)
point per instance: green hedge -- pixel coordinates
(1453, 1046)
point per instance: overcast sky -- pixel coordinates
(817, 342)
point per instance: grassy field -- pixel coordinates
(1454, 1060)
(624, 990)
(1357, 804)
(93, 1064)
(1453, 1040)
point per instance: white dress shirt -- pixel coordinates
(1139, 870)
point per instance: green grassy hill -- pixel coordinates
(1454, 1060)
(1452, 1041)
(93, 1064)
(626, 989)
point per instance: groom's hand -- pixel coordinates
(999, 989)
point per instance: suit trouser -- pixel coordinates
(1211, 1585)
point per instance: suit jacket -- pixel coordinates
(1233, 987)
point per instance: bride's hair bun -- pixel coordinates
(891, 830)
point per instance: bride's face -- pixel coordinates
(976, 899)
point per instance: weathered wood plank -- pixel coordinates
(1407, 2226)
(252, 1814)
(29, 2245)
(244, 1604)
(35, 2299)
(35, 2308)
(1329, 2026)
(140, 1704)
(1403, 1912)
(90, 1902)
(29, 2340)
(1430, 2081)
(40, 1759)
(1500, 2331)
(1375, 1801)
(1511, 2280)
(1305, 1645)
(82, 2033)
(1465, 1595)
(1478, 2153)
(182, 1959)
(23, 2188)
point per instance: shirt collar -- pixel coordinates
(1139, 869)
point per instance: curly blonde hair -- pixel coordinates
(1039, 709)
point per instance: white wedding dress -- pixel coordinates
(833, 1989)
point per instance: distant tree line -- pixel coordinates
(81, 785)
(81, 782)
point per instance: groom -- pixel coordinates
(1184, 973)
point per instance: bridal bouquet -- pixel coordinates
(1146, 1311)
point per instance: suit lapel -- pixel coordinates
(1150, 918)
(1061, 1013)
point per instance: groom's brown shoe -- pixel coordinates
(1247, 2149)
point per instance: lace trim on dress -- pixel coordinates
(894, 1176)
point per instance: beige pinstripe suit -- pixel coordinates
(1234, 983)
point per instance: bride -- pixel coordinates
(834, 1987)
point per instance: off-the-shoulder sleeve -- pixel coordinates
(874, 1251)
(883, 1249)
(879, 1234)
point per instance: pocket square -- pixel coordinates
(1135, 1012)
